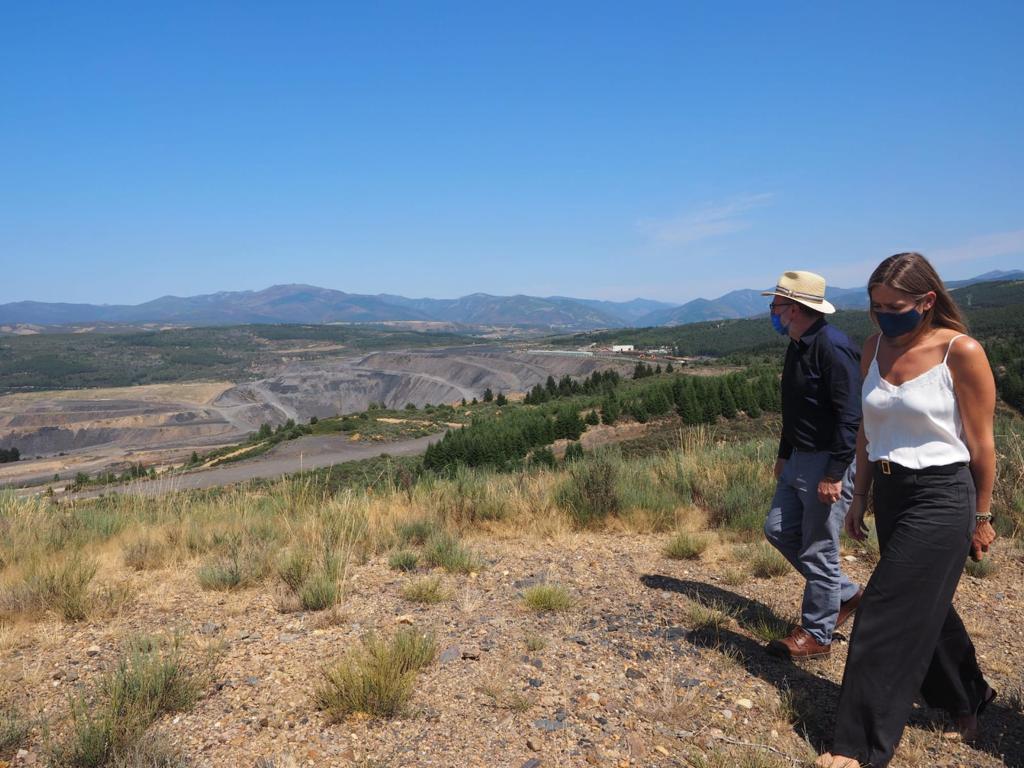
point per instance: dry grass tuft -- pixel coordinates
(377, 678)
(425, 590)
(766, 562)
(499, 698)
(107, 727)
(686, 546)
(548, 598)
(403, 560)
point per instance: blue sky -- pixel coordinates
(664, 150)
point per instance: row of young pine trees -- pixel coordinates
(505, 439)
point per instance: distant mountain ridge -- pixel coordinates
(308, 304)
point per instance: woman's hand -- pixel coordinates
(854, 523)
(984, 535)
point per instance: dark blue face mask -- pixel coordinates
(778, 326)
(894, 324)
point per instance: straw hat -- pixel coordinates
(806, 288)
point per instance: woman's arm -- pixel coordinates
(976, 397)
(854, 522)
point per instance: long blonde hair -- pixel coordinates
(912, 273)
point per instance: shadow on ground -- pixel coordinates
(813, 698)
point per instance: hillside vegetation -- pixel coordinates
(293, 618)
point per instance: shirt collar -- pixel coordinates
(808, 336)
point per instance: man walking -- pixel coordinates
(820, 419)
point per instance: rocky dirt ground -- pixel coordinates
(621, 679)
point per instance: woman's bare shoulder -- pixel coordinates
(964, 351)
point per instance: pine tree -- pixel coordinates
(728, 401)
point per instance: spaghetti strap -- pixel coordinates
(878, 343)
(949, 347)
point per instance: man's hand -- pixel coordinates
(780, 464)
(854, 523)
(828, 491)
(984, 535)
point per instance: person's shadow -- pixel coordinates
(812, 699)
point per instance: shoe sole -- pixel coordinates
(783, 652)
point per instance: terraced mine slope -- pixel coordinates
(88, 430)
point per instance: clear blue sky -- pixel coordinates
(665, 150)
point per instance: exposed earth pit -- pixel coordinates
(61, 433)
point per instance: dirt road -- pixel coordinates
(310, 452)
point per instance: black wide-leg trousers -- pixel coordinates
(907, 638)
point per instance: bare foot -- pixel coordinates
(828, 760)
(967, 725)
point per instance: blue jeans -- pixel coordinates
(806, 532)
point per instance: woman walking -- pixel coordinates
(926, 443)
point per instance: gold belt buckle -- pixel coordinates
(886, 467)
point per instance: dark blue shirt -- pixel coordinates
(821, 397)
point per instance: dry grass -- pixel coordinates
(376, 678)
(548, 598)
(766, 562)
(108, 725)
(500, 697)
(426, 590)
(295, 538)
(686, 546)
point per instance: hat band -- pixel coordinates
(798, 294)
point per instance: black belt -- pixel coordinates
(887, 467)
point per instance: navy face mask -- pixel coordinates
(894, 324)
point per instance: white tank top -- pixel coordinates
(916, 424)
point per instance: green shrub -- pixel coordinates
(589, 494)
(320, 592)
(221, 574)
(637, 490)
(982, 569)
(294, 569)
(403, 560)
(425, 590)
(242, 566)
(416, 531)
(13, 730)
(686, 546)
(734, 484)
(766, 562)
(547, 598)
(107, 728)
(376, 678)
(446, 551)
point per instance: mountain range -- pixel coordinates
(309, 304)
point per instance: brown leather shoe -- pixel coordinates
(847, 607)
(799, 645)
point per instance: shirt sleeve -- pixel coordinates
(785, 448)
(843, 365)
